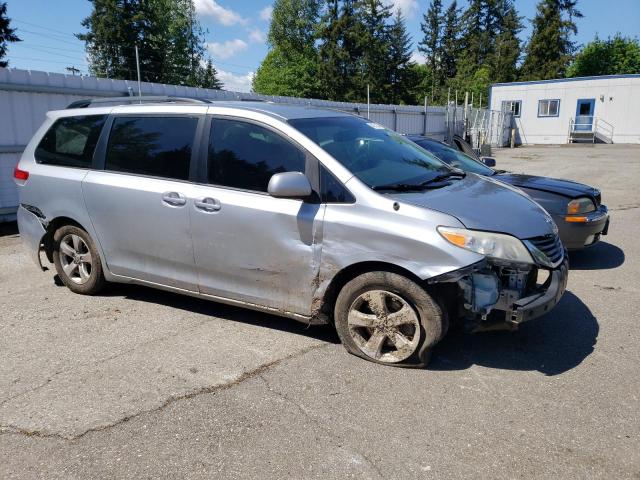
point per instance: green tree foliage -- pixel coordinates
(290, 67)
(400, 74)
(431, 27)
(169, 39)
(505, 54)
(550, 48)
(613, 56)
(376, 47)
(7, 34)
(450, 48)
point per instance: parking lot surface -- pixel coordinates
(138, 383)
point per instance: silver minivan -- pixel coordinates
(312, 214)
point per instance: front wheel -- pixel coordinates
(77, 260)
(387, 318)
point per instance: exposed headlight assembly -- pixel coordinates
(493, 245)
(576, 209)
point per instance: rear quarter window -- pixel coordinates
(71, 141)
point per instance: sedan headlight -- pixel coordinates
(494, 245)
(580, 205)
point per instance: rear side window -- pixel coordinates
(155, 146)
(244, 155)
(70, 141)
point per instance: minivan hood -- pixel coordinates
(566, 188)
(483, 204)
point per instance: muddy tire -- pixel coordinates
(77, 260)
(386, 318)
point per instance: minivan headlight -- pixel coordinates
(580, 205)
(494, 245)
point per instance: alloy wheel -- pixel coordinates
(75, 258)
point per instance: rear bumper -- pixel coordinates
(544, 300)
(578, 235)
(31, 232)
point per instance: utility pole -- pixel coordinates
(138, 68)
(73, 70)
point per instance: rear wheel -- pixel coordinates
(387, 318)
(77, 260)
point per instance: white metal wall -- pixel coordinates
(617, 101)
(26, 96)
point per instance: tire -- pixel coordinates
(374, 307)
(77, 260)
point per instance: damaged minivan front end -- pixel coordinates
(522, 279)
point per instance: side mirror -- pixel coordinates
(488, 161)
(289, 185)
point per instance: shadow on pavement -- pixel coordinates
(552, 344)
(8, 228)
(139, 293)
(601, 256)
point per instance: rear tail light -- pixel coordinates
(20, 174)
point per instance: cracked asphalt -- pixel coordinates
(138, 383)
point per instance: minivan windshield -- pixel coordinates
(455, 158)
(374, 154)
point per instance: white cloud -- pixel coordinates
(227, 49)
(418, 57)
(220, 14)
(257, 36)
(408, 7)
(235, 83)
(265, 13)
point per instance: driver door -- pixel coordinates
(249, 246)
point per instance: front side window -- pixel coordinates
(512, 106)
(70, 141)
(155, 146)
(374, 154)
(245, 155)
(548, 108)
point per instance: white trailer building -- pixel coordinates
(583, 109)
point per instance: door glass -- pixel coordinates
(70, 142)
(244, 155)
(155, 146)
(585, 108)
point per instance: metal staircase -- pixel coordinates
(590, 129)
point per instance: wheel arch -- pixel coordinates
(51, 228)
(350, 272)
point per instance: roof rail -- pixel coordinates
(133, 100)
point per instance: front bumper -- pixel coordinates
(544, 300)
(578, 235)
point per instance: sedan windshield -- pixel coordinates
(455, 158)
(377, 156)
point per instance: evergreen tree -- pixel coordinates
(402, 80)
(7, 34)
(431, 27)
(614, 56)
(209, 77)
(550, 48)
(506, 49)
(169, 39)
(342, 35)
(450, 48)
(376, 45)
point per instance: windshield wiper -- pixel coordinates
(400, 187)
(443, 176)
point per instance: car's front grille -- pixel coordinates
(551, 246)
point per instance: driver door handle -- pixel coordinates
(174, 199)
(208, 204)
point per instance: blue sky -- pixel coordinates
(237, 29)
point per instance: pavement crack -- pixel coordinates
(12, 429)
(322, 423)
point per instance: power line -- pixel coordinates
(44, 28)
(48, 36)
(44, 50)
